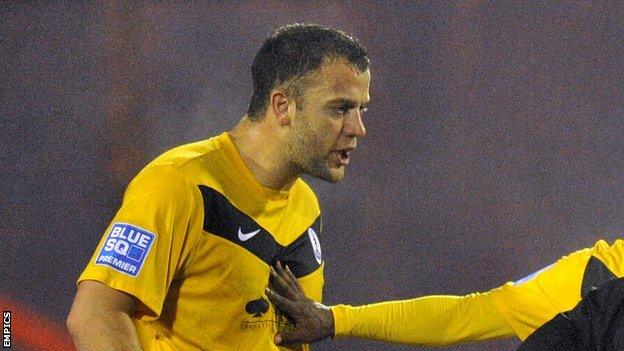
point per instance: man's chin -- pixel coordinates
(330, 175)
(335, 175)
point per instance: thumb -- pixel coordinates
(286, 337)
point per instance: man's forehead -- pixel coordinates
(336, 71)
(340, 76)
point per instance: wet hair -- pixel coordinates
(291, 54)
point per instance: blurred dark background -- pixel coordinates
(495, 138)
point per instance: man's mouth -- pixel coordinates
(343, 156)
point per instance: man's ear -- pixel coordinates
(280, 104)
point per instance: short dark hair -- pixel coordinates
(294, 51)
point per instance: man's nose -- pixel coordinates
(354, 126)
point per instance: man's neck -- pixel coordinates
(262, 149)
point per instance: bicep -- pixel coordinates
(100, 318)
(95, 297)
(98, 305)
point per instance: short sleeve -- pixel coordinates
(150, 238)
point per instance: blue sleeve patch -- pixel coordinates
(126, 248)
(531, 276)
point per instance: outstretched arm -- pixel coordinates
(430, 320)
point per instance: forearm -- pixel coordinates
(430, 320)
(111, 331)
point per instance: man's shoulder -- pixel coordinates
(189, 163)
(304, 192)
(179, 156)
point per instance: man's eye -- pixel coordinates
(363, 110)
(343, 110)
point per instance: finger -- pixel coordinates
(281, 286)
(289, 278)
(294, 279)
(277, 281)
(286, 337)
(279, 270)
(280, 302)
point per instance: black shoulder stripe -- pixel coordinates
(595, 274)
(221, 218)
(301, 256)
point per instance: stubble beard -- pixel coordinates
(306, 155)
(317, 167)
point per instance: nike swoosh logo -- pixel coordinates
(244, 237)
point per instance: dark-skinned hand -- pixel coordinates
(311, 320)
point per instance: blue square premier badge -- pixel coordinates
(126, 248)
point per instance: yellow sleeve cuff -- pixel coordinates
(342, 321)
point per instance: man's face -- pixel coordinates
(326, 128)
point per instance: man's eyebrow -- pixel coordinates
(347, 102)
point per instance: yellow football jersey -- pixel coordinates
(516, 308)
(530, 302)
(193, 242)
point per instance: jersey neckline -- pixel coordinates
(233, 154)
